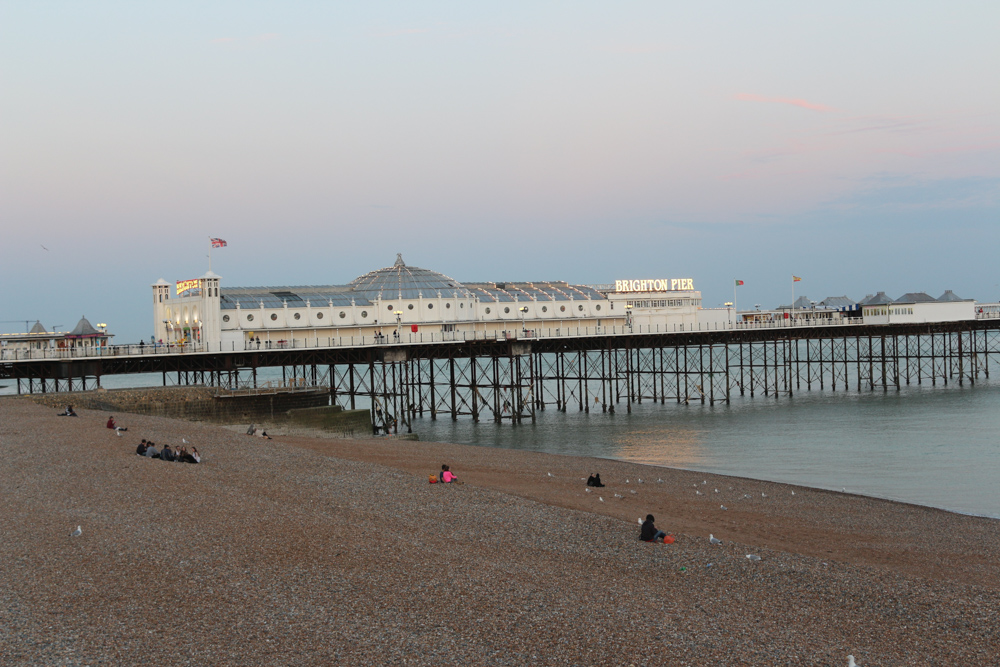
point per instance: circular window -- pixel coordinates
(562, 309)
(225, 318)
(598, 306)
(249, 318)
(343, 314)
(461, 305)
(410, 307)
(580, 307)
(273, 317)
(389, 309)
(447, 305)
(298, 316)
(364, 313)
(545, 309)
(430, 305)
(506, 309)
(487, 310)
(319, 316)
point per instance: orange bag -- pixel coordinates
(432, 479)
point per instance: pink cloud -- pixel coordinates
(795, 102)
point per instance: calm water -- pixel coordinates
(933, 446)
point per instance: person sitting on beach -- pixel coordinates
(447, 477)
(113, 426)
(69, 412)
(595, 480)
(141, 449)
(167, 454)
(649, 531)
(151, 450)
(195, 456)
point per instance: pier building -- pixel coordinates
(402, 299)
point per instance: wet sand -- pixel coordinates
(309, 551)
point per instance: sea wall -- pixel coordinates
(196, 403)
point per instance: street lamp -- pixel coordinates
(399, 317)
(729, 308)
(628, 316)
(523, 310)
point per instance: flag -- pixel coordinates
(739, 282)
(218, 243)
(796, 279)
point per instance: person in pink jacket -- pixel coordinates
(446, 475)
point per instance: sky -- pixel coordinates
(853, 144)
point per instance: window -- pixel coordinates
(297, 316)
(448, 305)
(249, 318)
(562, 309)
(598, 306)
(319, 316)
(487, 310)
(430, 305)
(545, 309)
(343, 315)
(364, 313)
(506, 309)
(461, 305)
(389, 308)
(273, 317)
(580, 307)
(410, 307)
(225, 318)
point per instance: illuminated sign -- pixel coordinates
(659, 285)
(187, 285)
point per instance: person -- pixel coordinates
(113, 426)
(151, 450)
(252, 430)
(141, 449)
(167, 454)
(69, 412)
(595, 480)
(447, 477)
(195, 456)
(649, 532)
(142, 344)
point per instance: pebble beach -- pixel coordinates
(303, 550)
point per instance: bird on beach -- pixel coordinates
(716, 490)
(723, 507)
(618, 495)
(185, 441)
(640, 521)
(712, 539)
(850, 661)
(793, 493)
(698, 492)
(659, 481)
(78, 532)
(640, 480)
(118, 433)
(550, 475)
(753, 557)
(633, 492)
(601, 498)
(587, 490)
(704, 482)
(626, 481)
(763, 495)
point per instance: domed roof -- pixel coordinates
(406, 282)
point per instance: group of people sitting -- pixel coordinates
(149, 450)
(68, 413)
(444, 477)
(595, 480)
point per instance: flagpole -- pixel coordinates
(209, 253)
(792, 307)
(734, 300)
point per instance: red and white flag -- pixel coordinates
(218, 243)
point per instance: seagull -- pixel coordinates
(850, 661)
(723, 507)
(716, 490)
(626, 481)
(640, 480)
(618, 495)
(705, 482)
(185, 441)
(793, 493)
(695, 485)
(844, 490)
(753, 557)
(659, 481)
(698, 492)
(712, 539)
(44, 248)
(763, 495)
(77, 533)
(600, 498)
(550, 475)
(640, 521)
(587, 490)
(633, 491)
(118, 433)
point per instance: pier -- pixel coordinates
(514, 376)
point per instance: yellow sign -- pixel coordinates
(658, 285)
(186, 285)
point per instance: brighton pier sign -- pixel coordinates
(658, 285)
(187, 286)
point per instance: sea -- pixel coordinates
(928, 445)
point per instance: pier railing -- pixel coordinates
(412, 338)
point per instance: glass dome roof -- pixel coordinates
(406, 282)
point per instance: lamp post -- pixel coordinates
(628, 316)
(523, 310)
(399, 318)
(729, 311)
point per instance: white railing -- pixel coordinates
(411, 338)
